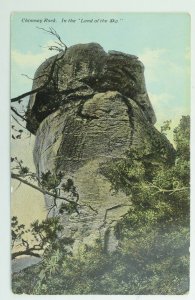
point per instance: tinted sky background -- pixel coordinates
(160, 40)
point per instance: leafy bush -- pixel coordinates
(153, 252)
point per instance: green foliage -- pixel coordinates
(146, 264)
(22, 170)
(47, 230)
(67, 187)
(68, 207)
(50, 181)
(16, 133)
(43, 235)
(153, 252)
(182, 138)
(165, 127)
(17, 230)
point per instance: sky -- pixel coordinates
(160, 40)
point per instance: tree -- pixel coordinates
(153, 252)
(48, 183)
(44, 234)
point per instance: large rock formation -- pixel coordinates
(92, 108)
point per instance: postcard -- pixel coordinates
(100, 153)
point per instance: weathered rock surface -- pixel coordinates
(84, 70)
(94, 110)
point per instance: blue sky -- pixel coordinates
(160, 40)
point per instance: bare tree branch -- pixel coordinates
(17, 113)
(18, 122)
(35, 78)
(53, 32)
(45, 192)
(50, 75)
(26, 252)
(169, 191)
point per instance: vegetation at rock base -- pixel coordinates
(43, 234)
(153, 252)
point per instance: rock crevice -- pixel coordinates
(95, 110)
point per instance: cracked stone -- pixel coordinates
(102, 113)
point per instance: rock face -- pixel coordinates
(83, 71)
(92, 108)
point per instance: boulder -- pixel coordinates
(82, 71)
(93, 112)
